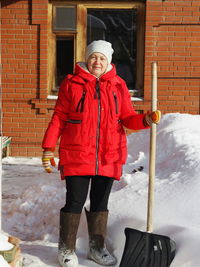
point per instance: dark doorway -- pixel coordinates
(64, 58)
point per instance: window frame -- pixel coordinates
(80, 36)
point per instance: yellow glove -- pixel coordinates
(153, 117)
(47, 158)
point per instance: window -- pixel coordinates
(117, 26)
(75, 26)
(64, 18)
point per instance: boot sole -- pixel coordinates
(103, 264)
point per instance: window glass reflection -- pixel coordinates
(117, 26)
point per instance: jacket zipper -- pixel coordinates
(81, 103)
(116, 102)
(98, 125)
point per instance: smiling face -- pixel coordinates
(97, 64)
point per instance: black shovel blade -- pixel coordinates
(144, 249)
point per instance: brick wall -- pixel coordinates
(24, 78)
(172, 39)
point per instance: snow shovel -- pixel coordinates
(146, 249)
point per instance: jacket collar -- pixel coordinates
(82, 75)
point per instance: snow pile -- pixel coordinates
(4, 246)
(34, 213)
(3, 263)
(32, 198)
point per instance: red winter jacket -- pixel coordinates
(89, 117)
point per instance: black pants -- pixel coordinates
(77, 190)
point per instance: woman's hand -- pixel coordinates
(47, 159)
(152, 117)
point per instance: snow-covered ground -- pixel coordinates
(32, 198)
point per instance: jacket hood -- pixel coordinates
(81, 73)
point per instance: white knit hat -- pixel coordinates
(102, 47)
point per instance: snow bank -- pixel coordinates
(4, 244)
(3, 263)
(31, 211)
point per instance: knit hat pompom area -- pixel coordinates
(102, 47)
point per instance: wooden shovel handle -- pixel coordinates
(152, 155)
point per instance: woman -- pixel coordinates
(93, 106)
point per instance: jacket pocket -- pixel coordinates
(72, 134)
(75, 117)
(116, 102)
(80, 105)
(74, 121)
